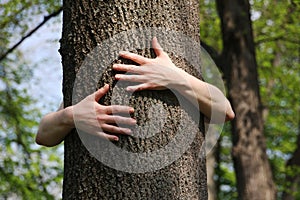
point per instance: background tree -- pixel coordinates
(274, 25)
(278, 56)
(85, 25)
(253, 172)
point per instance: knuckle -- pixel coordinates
(108, 109)
(114, 119)
(101, 118)
(117, 119)
(106, 136)
(115, 109)
(115, 129)
(99, 109)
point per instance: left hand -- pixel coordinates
(151, 74)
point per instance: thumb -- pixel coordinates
(156, 46)
(101, 92)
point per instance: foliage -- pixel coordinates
(277, 43)
(276, 34)
(19, 16)
(26, 170)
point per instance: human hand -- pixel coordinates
(151, 74)
(100, 120)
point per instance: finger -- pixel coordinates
(113, 119)
(127, 68)
(107, 136)
(157, 48)
(139, 87)
(118, 109)
(115, 129)
(101, 92)
(131, 78)
(134, 57)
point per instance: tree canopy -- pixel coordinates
(26, 170)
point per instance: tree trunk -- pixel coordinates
(211, 162)
(87, 24)
(253, 172)
(211, 185)
(293, 166)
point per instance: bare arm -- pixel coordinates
(211, 101)
(54, 127)
(89, 116)
(160, 73)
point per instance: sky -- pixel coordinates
(41, 52)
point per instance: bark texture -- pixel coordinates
(86, 24)
(253, 172)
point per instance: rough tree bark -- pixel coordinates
(253, 172)
(86, 24)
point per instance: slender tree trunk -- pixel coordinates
(211, 185)
(253, 172)
(87, 24)
(293, 166)
(211, 162)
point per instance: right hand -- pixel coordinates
(100, 120)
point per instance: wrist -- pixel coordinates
(67, 117)
(182, 83)
(178, 79)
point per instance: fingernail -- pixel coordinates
(131, 110)
(116, 139)
(117, 76)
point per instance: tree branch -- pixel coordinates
(46, 18)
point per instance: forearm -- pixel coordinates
(54, 127)
(210, 100)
